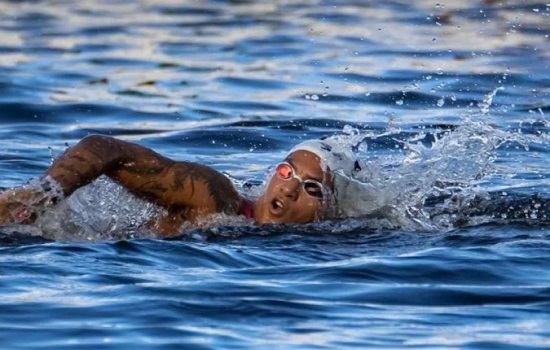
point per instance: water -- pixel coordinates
(450, 98)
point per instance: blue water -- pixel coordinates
(451, 91)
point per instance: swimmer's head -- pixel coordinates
(302, 188)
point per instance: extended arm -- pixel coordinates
(185, 188)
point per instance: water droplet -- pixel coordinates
(441, 102)
(314, 97)
(349, 130)
(399, 102)
(367, 93)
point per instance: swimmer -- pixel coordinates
(302, 188)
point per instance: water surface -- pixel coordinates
(456, 91)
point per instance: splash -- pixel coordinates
(428, 181)
(485, 105)
(100, 211)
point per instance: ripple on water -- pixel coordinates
(235, 85)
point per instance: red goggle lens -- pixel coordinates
(284, 171)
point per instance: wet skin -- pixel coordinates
(188, 191)
(286, 201)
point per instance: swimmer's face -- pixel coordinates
(295, 192)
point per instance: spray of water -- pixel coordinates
(102, 210)
(398, 189)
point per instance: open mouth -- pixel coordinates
(277, 207)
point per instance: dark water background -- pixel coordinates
(235, 84)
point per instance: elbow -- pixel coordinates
(106, 149)
(96, 139)
(100, 144)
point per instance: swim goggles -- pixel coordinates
(313, 188)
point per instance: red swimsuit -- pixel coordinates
(247, 209)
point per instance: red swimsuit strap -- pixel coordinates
(247, 209)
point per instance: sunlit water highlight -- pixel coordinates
(450, 101)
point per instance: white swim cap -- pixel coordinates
(334, 153)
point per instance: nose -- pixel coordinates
(291, 188)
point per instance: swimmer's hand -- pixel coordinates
(22, 205)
